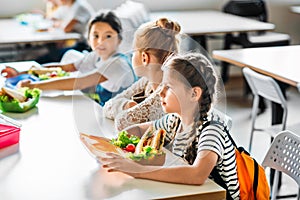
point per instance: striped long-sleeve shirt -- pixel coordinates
(212, 138)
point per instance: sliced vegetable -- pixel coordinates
(124, 139)
(147, 153)
(130, 148)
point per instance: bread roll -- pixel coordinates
(44, 70)
(145, 140)
(14, 94)
(158, 139)
(152, 138)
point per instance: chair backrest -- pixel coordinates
(264, 86)
(284, 154)
(247, 8)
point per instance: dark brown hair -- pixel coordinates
(107, 17)
(197, 71)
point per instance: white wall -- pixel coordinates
(9, 8)
(284, 19)
(279, 12)
(163, 4)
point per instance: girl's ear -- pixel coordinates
(196, 93)
(145, 58)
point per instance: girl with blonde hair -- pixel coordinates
(153, 43)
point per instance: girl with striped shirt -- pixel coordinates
(189, 86)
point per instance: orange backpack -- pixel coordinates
(251, 176)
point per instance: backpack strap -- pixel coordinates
(255, 181)
(225, 129)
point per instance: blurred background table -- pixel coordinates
(201, 23)
(276, 62)
(16, 39)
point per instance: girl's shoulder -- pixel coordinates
(219, 119)
(217, 124)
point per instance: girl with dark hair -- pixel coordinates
(189, 88)
(104, 67)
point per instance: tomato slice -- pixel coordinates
(130, 148)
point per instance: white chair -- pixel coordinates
(284, 156)
(267, 88)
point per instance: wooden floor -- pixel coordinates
(238, 106)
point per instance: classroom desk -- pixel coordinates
(12, 32)
(50, 161)
(18, 41)
(277, 62)
(211, 22)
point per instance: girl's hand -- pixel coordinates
(9, 72)
(129, 104)
(117, 163)
(24, 83)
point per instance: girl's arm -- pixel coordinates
(116, 105)
(66, 83)
(195, 174)
(148, 110)
(70, 26)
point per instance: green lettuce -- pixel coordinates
(8, 104)
(47, 76)
(124, 139)
(147, 153)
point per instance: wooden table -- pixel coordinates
(281, 63)
(211, 22)
(50, 161)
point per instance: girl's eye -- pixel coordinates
(95, 36)
(108, 36)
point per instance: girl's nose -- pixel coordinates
(100, 40)
(162, 92)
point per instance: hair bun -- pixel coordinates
(165, 23)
